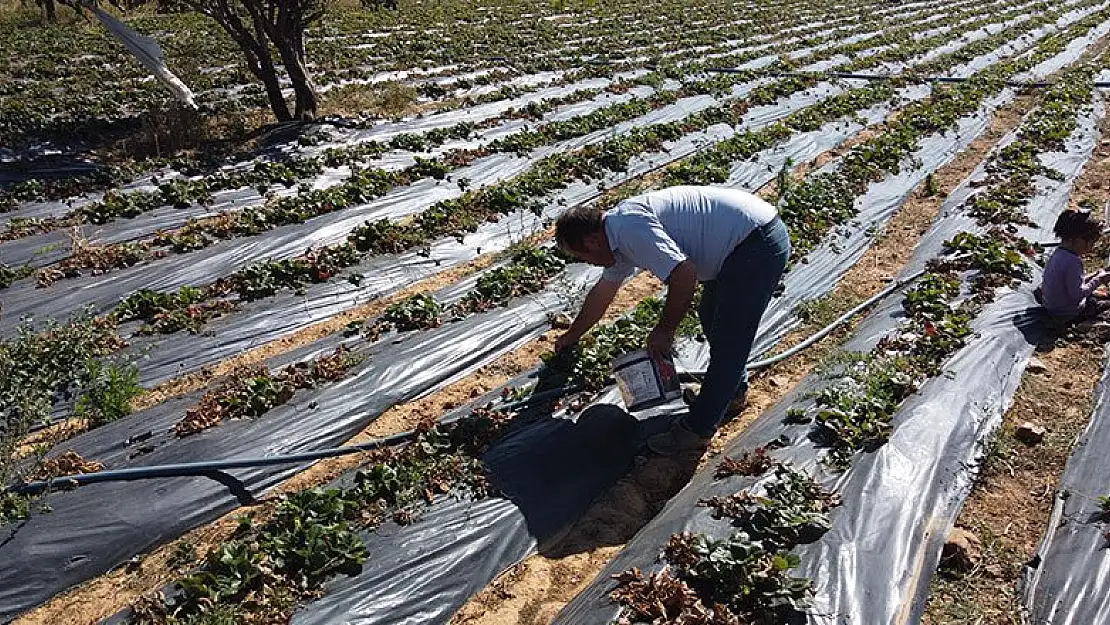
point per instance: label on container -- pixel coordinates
(637, 383)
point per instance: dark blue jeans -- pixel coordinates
(731, 307)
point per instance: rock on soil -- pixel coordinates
(961, 551)
(1030, 433)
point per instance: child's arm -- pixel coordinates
(1094, 280)
(1078, 286)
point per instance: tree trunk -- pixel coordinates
(268, 75)
(255, 47)
(263, 68)
(291, 48)
(51, 14)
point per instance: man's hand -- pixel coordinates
(565, 341)
(660, 342)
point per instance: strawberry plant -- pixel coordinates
(591, 360)
(9, 275)
(416, 312)
(751, 463)
(267, 567)
(793, 508)
(39, 366)
(106, 391)
(254, 393)
(528, 271)
(743, 577)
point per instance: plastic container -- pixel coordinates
(645, 382)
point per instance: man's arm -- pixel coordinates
(593, 309)
(681, 284)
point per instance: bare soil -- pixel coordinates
(1011, 504)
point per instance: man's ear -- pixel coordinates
(595, 241)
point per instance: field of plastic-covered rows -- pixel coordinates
(189, 309)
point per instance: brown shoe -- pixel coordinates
(677, 440)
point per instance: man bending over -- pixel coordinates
(731, 241)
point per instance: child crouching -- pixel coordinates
(1066, 293)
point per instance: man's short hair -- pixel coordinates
(575, 224)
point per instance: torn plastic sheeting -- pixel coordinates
(1067, 581)
(876, 563)
(39, 562)
(148, 52)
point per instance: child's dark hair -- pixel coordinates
(1077, 224)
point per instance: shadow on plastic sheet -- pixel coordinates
(1038, 328)
(552, 468)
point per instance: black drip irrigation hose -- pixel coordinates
(214, 469)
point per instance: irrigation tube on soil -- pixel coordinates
(876, 563)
